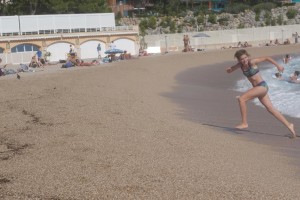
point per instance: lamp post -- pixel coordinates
(166, 41)
(282, 35)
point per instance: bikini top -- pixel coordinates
(251, 71)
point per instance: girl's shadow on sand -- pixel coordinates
(245, 131)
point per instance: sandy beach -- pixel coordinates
(157, 127)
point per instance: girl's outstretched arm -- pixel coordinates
(270, 60)
(233, 68)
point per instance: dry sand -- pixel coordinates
(151, 128)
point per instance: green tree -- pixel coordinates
(3, 7)
(152, 22)
(32, 7)
(143, 26)
(23, 7)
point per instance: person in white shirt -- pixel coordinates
(112, 45)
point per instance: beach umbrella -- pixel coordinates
(113, 51)
(201, 35)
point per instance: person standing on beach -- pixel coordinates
(260, 87)
(72, 48)
(99, 50)
(39, 54)
(112, 45)
(186, 43)
(296, 35)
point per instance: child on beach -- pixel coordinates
(260, 87)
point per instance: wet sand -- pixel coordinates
(157, 127)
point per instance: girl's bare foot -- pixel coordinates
(242, 126)
(291, 128)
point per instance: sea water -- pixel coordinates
(285, 96)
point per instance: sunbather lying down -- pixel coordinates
(82, 63)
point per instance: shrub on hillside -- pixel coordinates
(223, 20)
(212, 19)
(263, 6)
(200, 19)
(291, 13)
(280, 20)
(236, 8)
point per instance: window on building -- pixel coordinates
(24, 48)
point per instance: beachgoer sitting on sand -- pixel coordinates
(71, 61)
(125, 56)
(106, 59)
(287, 41)
(112, 57)
(34, 63)
(246, 44)
(276, 42)
(142, 52)
(270, 43)
(239, 44)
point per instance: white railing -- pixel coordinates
(76, 30)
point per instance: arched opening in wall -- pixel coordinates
(59, 51)
(88, 49)
(24, 48)
(23, 53)
(1, 50)
(126, 45)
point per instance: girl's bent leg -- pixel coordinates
(250, 94)
(268, 104)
